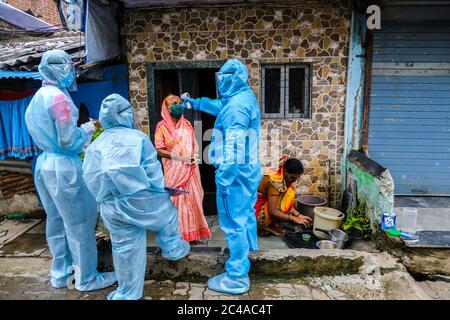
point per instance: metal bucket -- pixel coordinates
(306, 204)
(326, 244)
(338, 236)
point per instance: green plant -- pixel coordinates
(357, 220)
(95, 135)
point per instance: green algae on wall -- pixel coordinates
(376, 192)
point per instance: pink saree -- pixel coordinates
(178, 139)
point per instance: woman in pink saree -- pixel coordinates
(175, 143)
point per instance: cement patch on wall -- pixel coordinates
(26, 203)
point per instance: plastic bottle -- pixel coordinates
(407, 220)
(17, 216)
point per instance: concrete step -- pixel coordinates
(278, 274)
(417, 260)
(288, 263)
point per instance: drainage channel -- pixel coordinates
(420, 277)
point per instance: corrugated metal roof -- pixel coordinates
(7, 74)
(25, 54)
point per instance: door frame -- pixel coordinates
(170, 65)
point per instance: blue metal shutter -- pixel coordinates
(409, 125)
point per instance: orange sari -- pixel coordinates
(178, 139)
(286, 198)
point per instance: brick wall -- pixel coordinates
(314, 31)
(14, 183)
(17, 193)
(46, 10)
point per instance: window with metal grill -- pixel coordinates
(286, 90)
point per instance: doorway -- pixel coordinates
(197, 78)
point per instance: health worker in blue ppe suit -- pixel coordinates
(234, 153)
(123, 173)
(51, 119)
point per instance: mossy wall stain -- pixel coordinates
(377, 193)
(307, 266)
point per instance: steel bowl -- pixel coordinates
(338, 236)
(326, 244)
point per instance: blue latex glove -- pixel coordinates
(223, 191)
(191, 103)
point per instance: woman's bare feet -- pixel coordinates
(275, 230)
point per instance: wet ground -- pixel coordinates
(25, 263)
(38, 288)
(26, 279)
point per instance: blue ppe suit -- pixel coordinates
(234, 153)
(123, 173)
(51, 119)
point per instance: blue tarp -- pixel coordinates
(102, 32)
(15, 140)
(92, 93)
(4, 74)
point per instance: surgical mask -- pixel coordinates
(69, 81)
(176, 111)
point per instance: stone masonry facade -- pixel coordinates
(316, 32)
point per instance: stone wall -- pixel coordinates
(313, 31)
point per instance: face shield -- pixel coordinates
(223, 82)
(66, 75)
(126, 117)
(71, 80)
(219, 79)
(56, 67)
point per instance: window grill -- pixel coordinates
(286, 91)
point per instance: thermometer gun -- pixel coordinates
(184, 96)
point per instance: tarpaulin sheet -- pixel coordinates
(23, 19)
(102, 31)
(6, 74)
(15, 140)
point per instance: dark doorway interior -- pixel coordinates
(199, 83)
